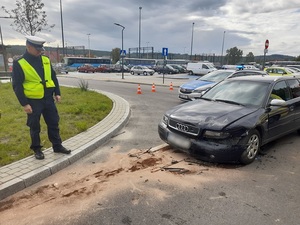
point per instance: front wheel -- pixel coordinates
(132, 73)
(253, 142)
(190, 72)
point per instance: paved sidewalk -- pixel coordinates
(24, 173)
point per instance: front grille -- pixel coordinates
(184, 127)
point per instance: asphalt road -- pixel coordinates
(265, 192)
(132, 192)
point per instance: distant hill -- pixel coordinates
(275, 57)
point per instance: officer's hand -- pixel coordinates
(27, 109)
(57, 98)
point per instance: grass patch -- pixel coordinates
(78, 111)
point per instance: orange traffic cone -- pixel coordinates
(139, 91)
(153, 88)
(171, 87)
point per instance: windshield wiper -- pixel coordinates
(228, 101)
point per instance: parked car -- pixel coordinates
(139, 70)
(111, 68)
(167, 69)
(233, 119)
(180, 69)
(105, 68)
(297, 69)
(200, 68)
(86, 68)
(279, 71)
(194, 89)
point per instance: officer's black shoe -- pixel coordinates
(62, 150)
(38, 154)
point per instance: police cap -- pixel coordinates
(36, 42)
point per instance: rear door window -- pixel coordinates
(295, 88)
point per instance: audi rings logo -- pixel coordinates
(182, 127)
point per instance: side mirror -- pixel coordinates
(277, 102)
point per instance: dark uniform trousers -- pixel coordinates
(47, 108)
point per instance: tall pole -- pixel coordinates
(122, 50)
(62, 30)
(222, 48)
(147, 48)
(192, 40)
(2, 44)
(89, 45)
(140, 22)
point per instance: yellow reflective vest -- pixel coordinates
(33, 84)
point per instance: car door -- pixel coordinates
(139, 70)
(280, 118)
(294, 86)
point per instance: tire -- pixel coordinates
(132, 73)
(253, 142)
(145, 73)
(190, 72)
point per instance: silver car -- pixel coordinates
(194, 89)
(141, 70)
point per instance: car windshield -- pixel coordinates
(239, 92)
(215, 76)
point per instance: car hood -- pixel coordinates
(209, 114)
(196, 83)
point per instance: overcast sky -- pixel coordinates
(168, 23)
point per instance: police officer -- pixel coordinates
(36, 87)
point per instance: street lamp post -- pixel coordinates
(62, 30)
(122, 50)
(192, 40)
(222, 48)
(140, 22)
(147, 48)
(89, 45)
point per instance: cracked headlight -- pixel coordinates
(216, 134)
(165, 119)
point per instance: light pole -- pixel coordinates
(140, 22)
(62, 29)
(122, 50)
(192, 40)
(222, 48)
(147, 48)
(89, 45)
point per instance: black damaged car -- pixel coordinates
(232, 120)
